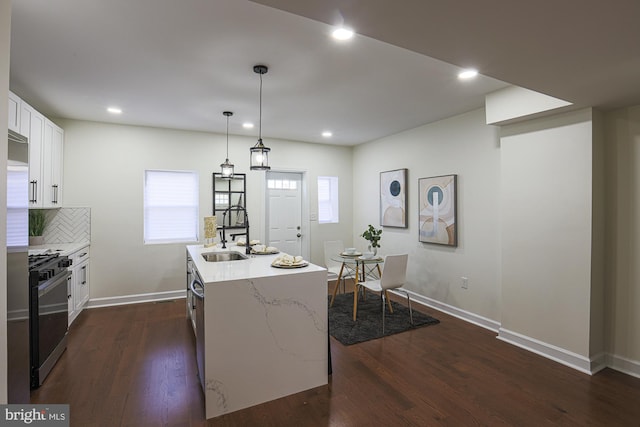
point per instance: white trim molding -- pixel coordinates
(624, 365)
(483, 322)
(560, 355)
(136, 299)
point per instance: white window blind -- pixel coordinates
(170, 206)
(328, 211)
(17, 206)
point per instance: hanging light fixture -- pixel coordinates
(226, 168)
(260, 153)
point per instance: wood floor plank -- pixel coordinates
(135, 366)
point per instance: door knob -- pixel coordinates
(298, 234)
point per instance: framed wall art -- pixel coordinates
(393, 198)
(437, 210)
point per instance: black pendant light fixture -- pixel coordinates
(260, 153)
(226, 168)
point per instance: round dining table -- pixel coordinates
(361, 267)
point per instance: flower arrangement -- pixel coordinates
(373, 236)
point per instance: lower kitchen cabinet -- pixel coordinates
(78, 289)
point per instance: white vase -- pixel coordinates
(373, 250)
(36, 240)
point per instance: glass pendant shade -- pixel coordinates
(260, 153)
(260, 157)
(226, 168)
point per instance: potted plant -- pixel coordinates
(37, 224)
(373, 236)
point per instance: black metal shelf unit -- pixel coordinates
(229, 195)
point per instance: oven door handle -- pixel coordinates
(48, 286)
(199, 295)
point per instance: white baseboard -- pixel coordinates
(135, 299)
(624, 365)
(560, 355)
(492, 325)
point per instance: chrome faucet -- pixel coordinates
(246, 224)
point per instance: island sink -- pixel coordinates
(223, 256)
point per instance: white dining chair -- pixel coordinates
(394, 274)
(331, 249)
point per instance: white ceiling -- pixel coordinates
(180, 64)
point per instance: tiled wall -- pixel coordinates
(68, 225)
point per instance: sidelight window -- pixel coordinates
(328, 211)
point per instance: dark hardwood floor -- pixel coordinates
(135, 366)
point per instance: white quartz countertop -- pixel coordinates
(253, 267)
(65, 249)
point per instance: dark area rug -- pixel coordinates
(368, 325)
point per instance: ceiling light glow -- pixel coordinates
(468, 74)
(247, 125)
(114, 110)
(327, 134)
(342, 33)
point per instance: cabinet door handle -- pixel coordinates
(54, 196)
(84, 275)
(34, 191)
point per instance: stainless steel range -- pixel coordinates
(48, 312)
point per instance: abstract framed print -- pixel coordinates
(393, 198)
(437, 211)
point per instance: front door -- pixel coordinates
(284, 211)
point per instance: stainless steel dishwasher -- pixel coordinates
(197, 290)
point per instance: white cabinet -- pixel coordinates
(79, 282)
(52, 165)
(32, 126)
(14, 112)
(46, 144)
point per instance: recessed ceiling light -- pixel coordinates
(327, 134)
(342, 33)
(114, 110)
(247, 125)
(468, 74)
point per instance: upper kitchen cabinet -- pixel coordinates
(14, 112)
(46, 141)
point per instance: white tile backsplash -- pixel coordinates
(66, 225)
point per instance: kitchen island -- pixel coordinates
(264, 330)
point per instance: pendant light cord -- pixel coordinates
(260, 122)
(227, 138)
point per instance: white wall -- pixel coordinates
(547, 230)
(623, 237)
(513, 103)
(104, 168)
(5, 36)
(461, 145)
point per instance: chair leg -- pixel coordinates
(383, 309)
(409, 304)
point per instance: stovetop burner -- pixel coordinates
(42, 261)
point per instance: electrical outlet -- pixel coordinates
(465, 283)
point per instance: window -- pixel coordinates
(328, 211)
(282, 184)
(170, 206)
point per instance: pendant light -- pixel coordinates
(260, 153)
(226, 168)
